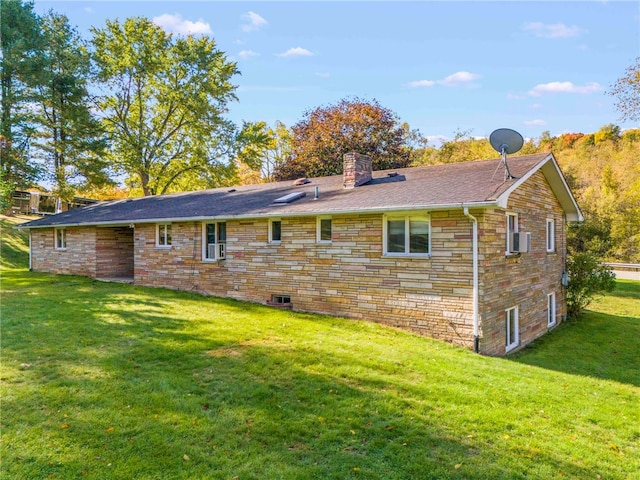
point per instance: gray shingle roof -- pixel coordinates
(437, 186)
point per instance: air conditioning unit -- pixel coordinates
(520, 242)
(216, 251)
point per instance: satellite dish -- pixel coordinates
(504, 141)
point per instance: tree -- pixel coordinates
(608, 133)
(325, 134)
(20, 42)
(587, 278)
(277, 152)
(68, 138)
(627, 92)
(164, 104)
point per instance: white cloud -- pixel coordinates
(535, 105)
(88, 9)
(176, 24)
(454, 80)
(422, 83)
(565, 87)
(459, 78)
(535, 123)
(322, 74)
(552, 30)
(513, 96)
(254, 22)
(247, 54)
(296, 52)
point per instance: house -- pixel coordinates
(459, 252)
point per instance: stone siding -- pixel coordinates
(523, 280)
(348, 277)
(79, 258)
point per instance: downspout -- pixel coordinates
(476, 335)
(30, 264)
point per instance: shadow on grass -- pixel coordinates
(116, 383)
(598, 344)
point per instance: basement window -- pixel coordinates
(551, 309)
(163, 235)
(281, 299)
(512, 329)
(60, 238)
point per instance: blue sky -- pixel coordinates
(440, 66)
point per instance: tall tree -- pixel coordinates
(627, 92)
(69, 138)
(164, 103)
(20, 42)
(325, 134)
(277, 151)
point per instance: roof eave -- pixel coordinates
(551, 170)
(270, 214)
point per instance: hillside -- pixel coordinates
(603, 171)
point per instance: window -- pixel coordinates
(512, 227)
(275, 231)
(280, 299)
(407, 235)
(163, 235)
(214, 241)
(324, 229)
(61, 238)
(551, 309)
(512, 334)
(551, 235)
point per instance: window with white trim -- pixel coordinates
(60, 238)
(512, 334)
(512, 227)
(551, 235)
(324, 229)
(551, 309)
(163, 235)
(214, 241)
(275, 230)
(408, 235)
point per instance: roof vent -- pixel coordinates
(231, 190)
(392, 174)
(291, 197)
(302, 181)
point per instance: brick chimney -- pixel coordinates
(357, 170)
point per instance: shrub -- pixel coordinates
(587, 278)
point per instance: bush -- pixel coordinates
(587, 278)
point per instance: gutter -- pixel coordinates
(476, 320)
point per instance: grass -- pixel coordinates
(104, 380)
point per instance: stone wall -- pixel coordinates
(348, 277)
(523, 280)
(79, 258)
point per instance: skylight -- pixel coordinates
(291, 197)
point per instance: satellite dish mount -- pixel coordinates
(504, 141)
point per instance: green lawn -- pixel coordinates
(103, 381)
